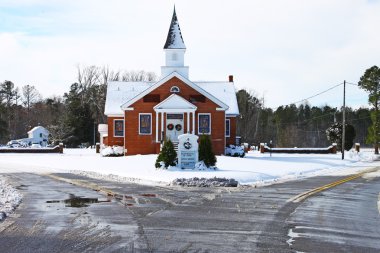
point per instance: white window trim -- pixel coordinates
(114, 128)
(210, 123)
(150, 132)
(229, 128)
(175, 87)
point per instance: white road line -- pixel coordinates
(378, 203)
(292, 235)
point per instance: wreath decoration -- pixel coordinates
(178, 127)
(170, 127)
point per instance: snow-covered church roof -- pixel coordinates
(119, 93)
(174, 39)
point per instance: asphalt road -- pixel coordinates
(137, 218)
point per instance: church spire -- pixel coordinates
(174, 39)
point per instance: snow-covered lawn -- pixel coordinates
(255, 168)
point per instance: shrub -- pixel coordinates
(167, 155)
(113, 151)
(205, 151)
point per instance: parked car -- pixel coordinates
(14, 144)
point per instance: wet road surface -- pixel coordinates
(137, 218)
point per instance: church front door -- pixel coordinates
(174, 126)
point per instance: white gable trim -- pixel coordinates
(183, 79)
(183, 105)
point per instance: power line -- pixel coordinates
(305, 99)
(354, 84)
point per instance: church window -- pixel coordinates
(228, 127)
(118, 128)
(204, 123)
(174, 89)
(145, 123)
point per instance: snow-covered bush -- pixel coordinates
(113, 151)
(235, 151)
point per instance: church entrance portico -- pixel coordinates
(176, 115)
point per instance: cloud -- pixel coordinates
(287, 50)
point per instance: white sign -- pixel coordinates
(187, 151)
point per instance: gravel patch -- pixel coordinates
(205, 182)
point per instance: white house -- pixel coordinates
(38, 135)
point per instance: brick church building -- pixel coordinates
(141, 114)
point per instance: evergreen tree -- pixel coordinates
(205, 152)
(334, 134)
(370, 82)
(78, 117)
(168, 155)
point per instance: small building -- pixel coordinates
(142, 114)
(37, 135)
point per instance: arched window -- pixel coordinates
(174, 89)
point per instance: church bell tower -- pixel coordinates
(174, 51)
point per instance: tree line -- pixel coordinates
(305, 125)
(294, 126)
(73, 117)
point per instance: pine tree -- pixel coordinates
(206, 154)
(334, 134)
(168, 155)
(370, 82)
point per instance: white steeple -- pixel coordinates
(174, 50)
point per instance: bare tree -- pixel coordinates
(138, 76)
(30, 96)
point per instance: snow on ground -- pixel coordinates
(255, 168)
(10, 198)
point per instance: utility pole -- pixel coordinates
(94, 133)
(344, 118)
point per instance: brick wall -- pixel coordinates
(111, 140)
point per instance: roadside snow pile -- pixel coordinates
(9, 199)
(235, 151)
(361, 156)
(205, 182)
(113, 151)
(202, 166)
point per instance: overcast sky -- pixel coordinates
(283, 50)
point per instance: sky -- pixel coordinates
(282, 51)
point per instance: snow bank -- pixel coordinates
(254, 168)
(9, 198)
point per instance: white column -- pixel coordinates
(193, 132)
(188, 122)
(162, 123)
(157, 126)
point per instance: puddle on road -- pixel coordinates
(75, 201)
